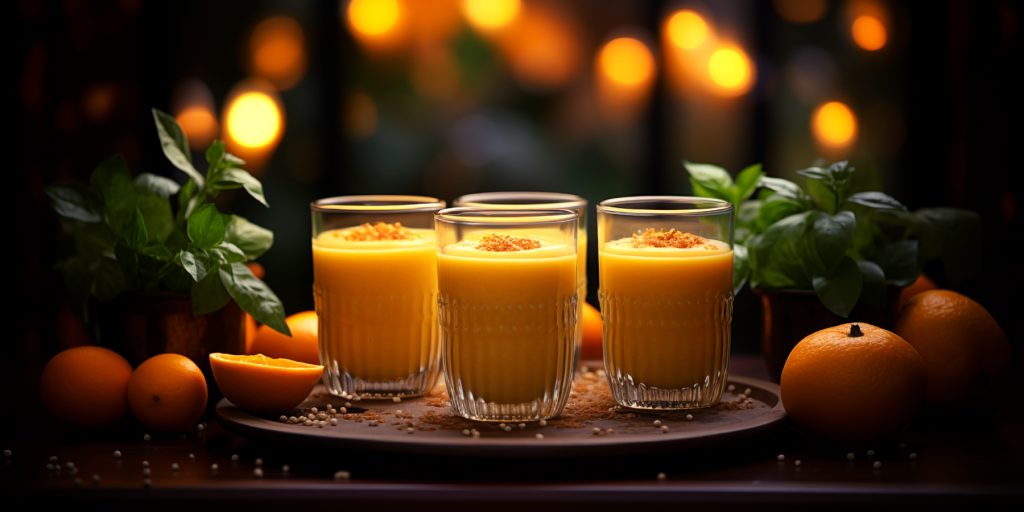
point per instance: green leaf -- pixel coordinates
(840, 290)
(953, 238)
(824, 197)
(873, 290)
(112, 180)
(206, 227)
(158, 185)
(135, 234)
(233, 160)
(899, 261)
(175, 145)
(157, 251)
(815, 173)
(209, 295)
(195, 264)
(108, 280)
(876, 200)
(248, 181)
(775, 208)
(93, 241)
(740, 267)
(215, 153)
(254, 296)
(253, 240)
(227, 253)
(777, 254)
(710, 181)
(157, 212)
(833, 235)
(75, 202)
(747, 182)
(187, 200)
(784, 188)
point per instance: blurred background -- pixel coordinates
(446, 97)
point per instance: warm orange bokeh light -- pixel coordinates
(731, 70)
(543, 47)
(360, 116)
(869, 32)
(253, 120)
(834, 125)
(626, 61)
(687, 29)
(490, 14)
(374, 18)
(278, 51)
(199, 124)
(801, 11)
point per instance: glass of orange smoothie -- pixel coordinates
(544, 200)
(375, 288)
(507, 310)
(666, 299)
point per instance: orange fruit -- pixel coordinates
(85, 386)
(591, 333)
(167, 393)
(966, 352)
(301, 346)
(263, 384)
(921, 284)
(853, 382)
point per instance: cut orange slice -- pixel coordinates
(258, 383)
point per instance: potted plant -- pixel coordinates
(825, 252)
(155, 266)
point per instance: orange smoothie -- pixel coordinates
(381, 297)
(508, 322)
(666, 312)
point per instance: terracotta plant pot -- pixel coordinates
(791, 315)
(142, 325)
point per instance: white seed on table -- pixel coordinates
(731, 388)
(234, 457)
(396, 399)
(8, 453)
(191, 456)
(662, 476)
(747, 391)
(913, 455)
(850, 456)
(258, 461)
(201, 427)
(283, 418)
(313, 410)
(522, 426)
(342, 475)
(410, 430)
(258, 473)
(175, 466)
(877, 464)
(147, 437)
(399, 411)
(348, 404)
(308, 423)
(145, 463)
(343, 410)
(689, 417)
(797, 463)
(117, 454)
(334, 421)
(871, 453)
(53, 458)
(543, 423)
(507, 428)
(292, 419)
(657, 423)
(609, 430)
(70, 465)
(145, 472)
(664, 429)
(214, 466)
(780, 457)
(539, 435)
(596, 431)
(50, 466)
(465, 432)
(286, 468)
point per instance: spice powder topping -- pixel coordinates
(506, 243)
(672, 238)
(377, 232)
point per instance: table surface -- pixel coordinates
(945, 460)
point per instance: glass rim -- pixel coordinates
(546, 200)
(476, 216)
(363, 203)
(689, 205)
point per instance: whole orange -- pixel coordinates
(965, 351)
(167, 393)
(591, 319)
(853, 382)
(262, 384)
(303, 345)
(85, 386)
(921, 284)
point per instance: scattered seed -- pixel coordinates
(664, 429)
(283, 419)
(657, 423)
(342, 475)
(50, 466)
(850, 456)
(234, 457)
(372, 423)
(308, 423)
(343, 410)
(731, 388)
(609, 430)
(396, 399)
(543, 423)
(145, 463)
(292, 419)
(596, 431)
(320, 424)
(539, 435)
(214, 466)
(465, 432)
(399, 411)
(117, 454)
(201, 427)
(913, 455)
(871, 453)
(70, 465)
(662, 476)
(410, 430)
(53, 458)
(798, 463)
(258, 473)
(8, 453)
(145, 472)
(689, 417)
(147, 437)
(334, 421)
(348, 404)
(476, 433)
(313, 410)
(507, 428)
(747, 391)
(286, 468)
(522, 426)
(877, 464)
(175, 467)
(780, 457)
(191, 456)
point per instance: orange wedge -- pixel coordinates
(262, 384)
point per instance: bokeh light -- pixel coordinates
(277, 51)
(731, 70)
(687, 29)
(199, 124)
(489, 15)
(801, 11)
(360, 115)
(543, 47)
(626, 61)
(834, 125)
(373, 17)
(253, 119)
(869, 32)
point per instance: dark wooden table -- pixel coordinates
(945, 461)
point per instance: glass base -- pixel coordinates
(344, 385)
(536, 410)
(629, 394)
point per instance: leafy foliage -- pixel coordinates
(846, 245)
(128, 237)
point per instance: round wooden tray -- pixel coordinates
(426, 425)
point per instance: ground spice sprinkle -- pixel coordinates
(506, 243)
(672, 238)
(378, 232)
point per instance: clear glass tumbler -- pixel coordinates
(666, 299)
(375, 288)
(545, 201)
(507, 310)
